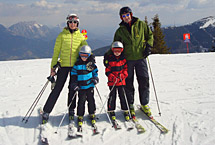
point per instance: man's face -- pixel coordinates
(126, 17)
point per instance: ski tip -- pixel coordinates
(71, 137)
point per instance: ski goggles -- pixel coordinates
(85, 55)
(117, 50)
(73, 21)
(125, 15)
(73, 17)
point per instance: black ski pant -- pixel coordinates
(112, 98)
(62, 75)
(141, 69)
(83, 96)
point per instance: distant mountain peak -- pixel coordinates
(30, 29)
(206, 22)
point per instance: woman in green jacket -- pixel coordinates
(67, 47)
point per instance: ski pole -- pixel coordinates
(65, 112)
(126, 100)
(35, 102)
(154, 87)
(102, 103)
(107, 98)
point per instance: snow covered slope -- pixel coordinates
(185, 85)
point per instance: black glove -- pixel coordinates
(95, 80)
(147, 51)
(76, 88)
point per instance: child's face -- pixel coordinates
(84, 58)
(117, 53)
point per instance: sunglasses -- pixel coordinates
(85, 55)
(126, 15)
(73, 21)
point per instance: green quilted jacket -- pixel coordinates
(67, 46)
(135, 42)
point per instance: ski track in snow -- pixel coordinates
(185, 88)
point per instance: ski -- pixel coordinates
(116, 125)
(155, 122)
(139, 127)
(129, 125)
(43, 128)
(44, 141)
(71, 130)
(95, 129)
(79, 132)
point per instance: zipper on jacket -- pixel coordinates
(71, 50)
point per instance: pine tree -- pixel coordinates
(146, 20)
(159, 46)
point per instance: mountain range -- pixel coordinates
(28, 40)
(202, 33)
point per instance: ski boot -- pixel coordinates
(146, 110)
(132, 111)
(93, 119)
(45, 117)
(126, 115)
(93, 122)
(71, 115)
(112, 115)
(80, 123)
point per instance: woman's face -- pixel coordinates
(73, 24)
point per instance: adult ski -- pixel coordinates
(43, 130)
(139, 127)
(163, 129)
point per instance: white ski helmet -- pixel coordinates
(117, 44)
(71, 17)
(85, 49)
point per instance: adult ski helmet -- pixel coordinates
(125, 10)
(117, 45)
(72, 17)
(85, 50)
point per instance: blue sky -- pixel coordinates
(103, 14)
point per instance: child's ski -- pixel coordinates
(95, 129)
(71, 130)
(129, 125)
(116, 125)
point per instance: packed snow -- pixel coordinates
(185, 86)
